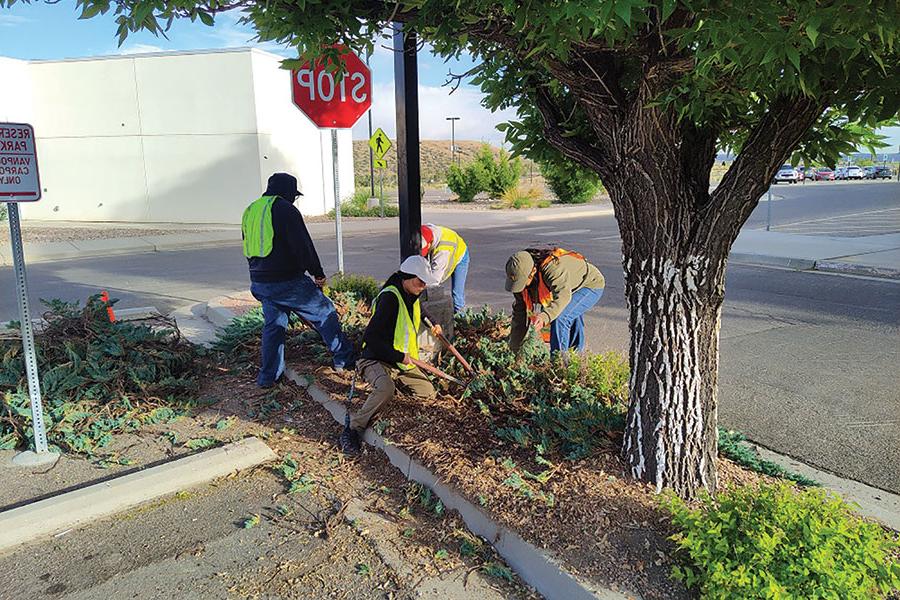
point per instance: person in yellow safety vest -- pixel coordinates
(448, 256)
(390, 345)
(280, 253)
(552, 287)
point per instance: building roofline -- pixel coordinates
(163, 53)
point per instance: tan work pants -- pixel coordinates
(382, 377)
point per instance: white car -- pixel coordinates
(854, 172)
(787, 173)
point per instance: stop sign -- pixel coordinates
(330, 103)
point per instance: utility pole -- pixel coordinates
(453, 121)
(406, 94)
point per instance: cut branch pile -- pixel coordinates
(97, 377)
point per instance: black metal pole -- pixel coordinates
(409, 181)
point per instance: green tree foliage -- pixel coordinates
(468, 181)
(776, 542)
(572, 183)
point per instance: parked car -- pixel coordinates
(823, 175)
(840, 173)
(809, 173)
(786, 173)
(854, 172)
(879, 172)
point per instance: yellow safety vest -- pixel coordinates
(406, 330)
(452, 241)
(256, 226)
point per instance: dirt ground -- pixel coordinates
(278, 531)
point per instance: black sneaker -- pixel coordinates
(349, 441)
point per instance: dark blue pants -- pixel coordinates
(458, 283)
(567, 330)
(303, 297)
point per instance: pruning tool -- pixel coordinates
(451, 348)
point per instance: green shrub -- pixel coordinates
(775, 542)
(357, 206)
(571, 183)
(363, 287)
(466, 182)
(3, 212)
(501, 173)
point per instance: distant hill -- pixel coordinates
(435, 160)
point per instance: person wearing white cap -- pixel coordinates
(390, 345)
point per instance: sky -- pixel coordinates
(53, 31)
(41, 31)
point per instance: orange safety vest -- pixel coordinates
(545, 296)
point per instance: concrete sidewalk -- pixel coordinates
(873, 256)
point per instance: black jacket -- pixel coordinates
(378, 339)
(293, 253)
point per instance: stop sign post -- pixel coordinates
(333, 102)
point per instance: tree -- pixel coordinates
(642, 92)
(501, 173)
(572, 183)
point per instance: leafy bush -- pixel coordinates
(571, 183)
(357, 206)
(363, 287)
(501, 173)
(775, 542)
(466, 182)
(97, 378)
(3, 212)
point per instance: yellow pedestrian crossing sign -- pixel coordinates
(380, 143)
(380, 163)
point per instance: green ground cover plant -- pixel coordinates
(773, 541)
(98, 378)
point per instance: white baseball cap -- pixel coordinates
(418, 266)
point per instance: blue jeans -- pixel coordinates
(303, 297)
(458, 283)
(568, 327)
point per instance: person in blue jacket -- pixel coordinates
(280, 253)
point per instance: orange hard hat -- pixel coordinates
(427, 239)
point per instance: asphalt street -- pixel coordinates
(808, 360)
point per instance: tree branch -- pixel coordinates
(575, 148)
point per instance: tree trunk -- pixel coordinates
(675, 305)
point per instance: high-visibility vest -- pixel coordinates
(406, 330)
(256, 225)
(544, 295)
(452, 242)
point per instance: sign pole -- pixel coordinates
(31, 368)
(381, 195)
(337, 201)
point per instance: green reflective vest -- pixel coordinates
(406, 330)
(256, 226)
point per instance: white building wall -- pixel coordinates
(174, 137)
(15, 97)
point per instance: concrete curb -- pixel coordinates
(71, 509)
(833, 266)
(787, 262)
(534, 566)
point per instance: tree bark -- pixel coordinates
(675, 306)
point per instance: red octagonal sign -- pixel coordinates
(330, 103)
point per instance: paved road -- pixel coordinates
(836, 208)
(809, 360)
